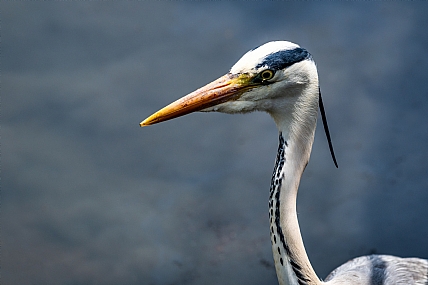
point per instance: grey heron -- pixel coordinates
(281, 78)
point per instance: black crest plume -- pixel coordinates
(327, 132)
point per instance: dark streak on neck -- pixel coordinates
(275, 189)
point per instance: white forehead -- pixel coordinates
(248, 62)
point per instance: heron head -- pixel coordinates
(266, 78)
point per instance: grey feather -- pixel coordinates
(381, 270)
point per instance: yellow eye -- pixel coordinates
(267, 74)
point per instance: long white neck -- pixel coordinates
(297, 128)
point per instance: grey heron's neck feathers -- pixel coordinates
(297, 123)
(297, 130)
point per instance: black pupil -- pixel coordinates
(266, 75)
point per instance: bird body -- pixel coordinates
(281, 78)
(381, 269)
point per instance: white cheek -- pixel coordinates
(232, 107)
(278, 89)
(255, 94)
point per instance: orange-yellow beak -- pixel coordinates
(227, 88)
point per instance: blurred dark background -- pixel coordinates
(88, 197)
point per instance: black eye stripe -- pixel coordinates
(284, 58)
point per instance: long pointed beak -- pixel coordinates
(227, 88)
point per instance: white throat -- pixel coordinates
(297, 129)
